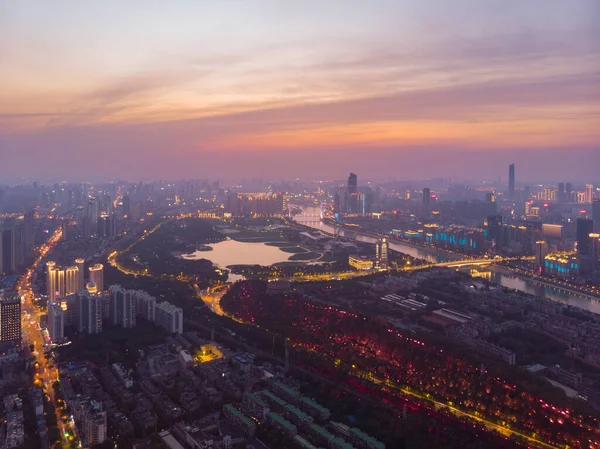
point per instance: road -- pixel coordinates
(46, 374)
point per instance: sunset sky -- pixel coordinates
(228, 88)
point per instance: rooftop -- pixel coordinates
(234, 411)
(282, 421)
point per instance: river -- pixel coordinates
(310, 217)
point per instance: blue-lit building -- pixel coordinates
(562, 264)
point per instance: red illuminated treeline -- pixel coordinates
(384, 360)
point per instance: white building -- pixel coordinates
(123, 307)
(145, 305)
(169, 317)
(56, 322)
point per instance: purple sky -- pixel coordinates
(144, 89)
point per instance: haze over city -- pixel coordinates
(299, 89)
(282, 224)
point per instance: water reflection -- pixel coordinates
(309, 217)
(231, 252)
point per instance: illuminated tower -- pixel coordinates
(80, 273)
(541, 251)
(426, 196)
(97, 276)
(60, 291)
(589, 193)
(51, 280)
(10, 318)
(381, 253)
(511, 182)
(71, 280)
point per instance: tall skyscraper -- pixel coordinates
(511, 182)
(596, 215)
(80, 263)
(352, 183)
(561, 192)
(541, 251)
(56, 322)
(55, 282)
(10, 318)
(50, 280)
(97, 276)
(381, 253)
(589, 193)
(426, 196)
(90, 313)
(71, 280)
(493, 231)
(123, 307)
(568, 192)
(585, 227)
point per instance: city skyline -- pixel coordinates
(419, 89)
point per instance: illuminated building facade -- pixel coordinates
(10, 318)
(382, 253)
(244, 204)
(541, 251)
(562, 264)
(80, 263)
(97, 276)
(360, 263)
(589, 193)
(71, 280)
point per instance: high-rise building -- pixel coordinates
(50, 280)
(381, 253)
(55, 282)
(97, 276)
(71, 280)
(589, 193)
(511, 182)
(56, 322)
(541, 251)
(90, 312)
(145, 305)
(352, 183)
(561, 192)
(585, 227)
(596, 215)
(426, 196)
(493, 231)
(568, 192)
(169, 317)
(10, 318)
(123, 307)
(80, 263)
